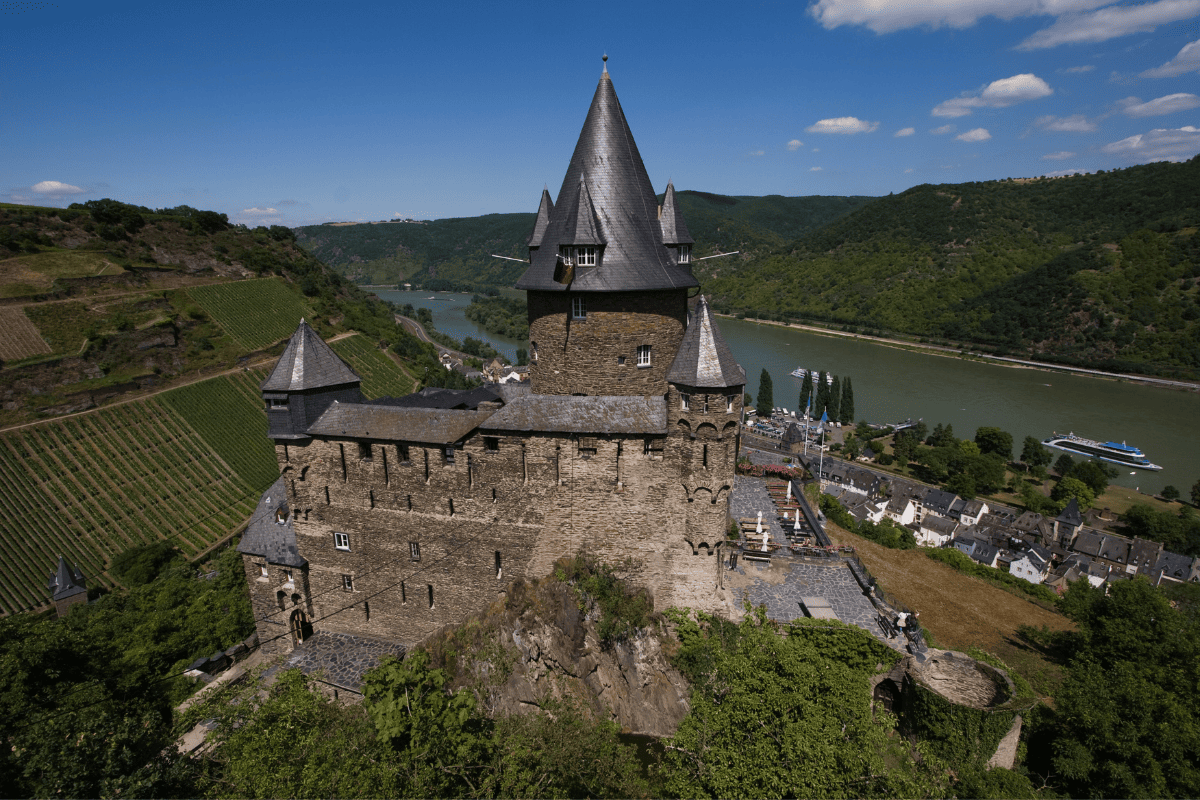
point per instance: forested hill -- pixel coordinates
(1095, 269)
(457, 253)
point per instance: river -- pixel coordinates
(892, 384)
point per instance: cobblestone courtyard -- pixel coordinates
(341, 659)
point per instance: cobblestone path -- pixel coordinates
(341, 659)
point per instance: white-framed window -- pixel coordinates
(287, 578)
(643, 355)
(262, 570)
(414, 550)
(685, 253)
(341, 541)
(578, 308)
(586, 255)
(347, 583)
(685, 402)
(704, 405)
(730, 399)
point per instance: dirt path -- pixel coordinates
(172, 387)
(418, 330)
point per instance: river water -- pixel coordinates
(892, 384)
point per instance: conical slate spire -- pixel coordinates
(66, 583)
(545, 209)
(579, 219)
(308, 363)
(674, 229)
(607, 162)
(704, 359)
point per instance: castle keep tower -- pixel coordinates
(395, 516)
(609, 269)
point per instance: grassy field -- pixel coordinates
(381, 376)
(255, 313)
(188, 465)
(959, 610)
(32, 273)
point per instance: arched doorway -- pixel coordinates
(301, 629)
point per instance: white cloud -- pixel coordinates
(976, 135)
(885, 16)
(1059, 156)
(795, 144)
(997, 94)
(757, 152)
(1186, 60)
(1160, 144)
(814, 169)
(844, 125)
(910, 169)
(905, 132)
(1075, 70)
(943, 130)
(1134, 107)
(1109, 23)
(1076, 123)
(816, 149)
(55, 189)
(259, 212)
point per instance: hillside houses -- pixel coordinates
(1031, 546)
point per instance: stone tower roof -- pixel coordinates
(704, 359)
(1070, 515)
(674, 229)
(270, 532)
(65, 582)
(621, 213)
(308, 363)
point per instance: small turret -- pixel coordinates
(545, 209)
(306, 380)
(675, 233)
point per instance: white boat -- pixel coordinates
(1105, 451)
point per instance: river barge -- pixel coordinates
(1111, 452)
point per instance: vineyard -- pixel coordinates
(18, 336)
(188, 465)
(255, 313)
(381, 376)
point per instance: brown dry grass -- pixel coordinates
(959, 610)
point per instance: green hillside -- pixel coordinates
(1091, 269)
(457, 253)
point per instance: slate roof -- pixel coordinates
(1070, 515)
(434, 397)
(65, 582)
(1144, 554)
(596, 414)
(607, 168)
(264, 536)
(940, 502)
(704, 360)
(545, 208)
(1173, 565)
(939, 525)
(674, 229)
(308, 363)
(422, 425)
(511, 391)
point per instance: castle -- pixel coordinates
(394, 517)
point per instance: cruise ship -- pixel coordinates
(1105, 451)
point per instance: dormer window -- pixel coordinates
(685, 254)
(579, 255)
(277, 403)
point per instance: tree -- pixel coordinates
(1069, 487)
(1064, 464)
(942, 436)
(766, 395)
(806, 392)
(1169, 493)
(846, 412)
(1034, 454)
(1094, 474)
(822, 402)
(1196, 493)
(835, 399)
(522, 357)
(994, 440)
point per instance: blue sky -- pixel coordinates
(296, 113)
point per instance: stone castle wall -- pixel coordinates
(581, 356)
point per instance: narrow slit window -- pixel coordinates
(403, 593)
(730, 399)
(429, 589)
(499, 565)
(347, 583)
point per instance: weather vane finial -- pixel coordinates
(604, 58)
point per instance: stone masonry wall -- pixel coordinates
(506, 507)
(580, 356)
(273, 612)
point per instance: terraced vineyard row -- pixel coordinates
(381, 376)
(187, 465)
(256, 313)
(18, 336)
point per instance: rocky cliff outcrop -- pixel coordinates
(541, 643)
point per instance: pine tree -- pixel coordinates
(835, 399)
(822, 395)
(846, 412)
(806, 390)
(766, 395)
